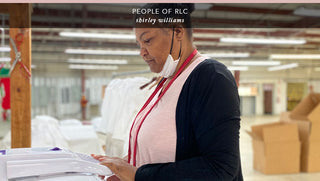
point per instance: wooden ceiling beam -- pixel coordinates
(216, 7)
(4, 8)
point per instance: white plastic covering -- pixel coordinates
(96, 122)
(122, 101)
(70, 122)
(47, 132)
(82, 139)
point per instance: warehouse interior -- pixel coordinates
(85, 56)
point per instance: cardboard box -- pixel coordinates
(314, 115)
(310, 150)
(307, 116)
(305, 107)
(276, 148)
(304, 126)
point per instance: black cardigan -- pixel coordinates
(208, 123)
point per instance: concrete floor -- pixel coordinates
(246, 153)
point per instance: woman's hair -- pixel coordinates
(179, 15)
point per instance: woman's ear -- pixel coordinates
(179, 32)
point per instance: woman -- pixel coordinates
(189, 127)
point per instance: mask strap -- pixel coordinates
(172, 43)
(172, 40)
(180, 49)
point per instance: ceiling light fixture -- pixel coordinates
(283, 67)
(256, 63)
(302, 11)
(227, 55)
(295, 56)
(264, 41)
(202, 6)
(102, 52)
(232, 68)
(93, 67)
(98, 35)
(97, 61)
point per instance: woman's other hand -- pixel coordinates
(123, 170)
(125, 158)
(113, 178)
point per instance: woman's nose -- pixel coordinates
(143, 51)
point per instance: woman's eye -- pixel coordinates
(147, 41)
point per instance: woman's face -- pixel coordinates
(154, 46)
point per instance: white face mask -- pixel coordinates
(170, 66)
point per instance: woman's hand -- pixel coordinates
(97, 157)
(123, 170)
(113, 178)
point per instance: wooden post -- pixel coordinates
(20, 86)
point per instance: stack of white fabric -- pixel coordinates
(64, 177)
(123, 99)
(49, 163)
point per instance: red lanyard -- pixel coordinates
(149, 100)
